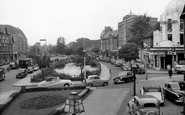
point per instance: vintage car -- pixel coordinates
(126, 66)
(2, 73)
(124, 77)
(155, 91)
(174, 90)
(22, 73)
(55, 82)
(179, 69)
(118, 63)
(13, 65)
(94, 80)
(144, 105)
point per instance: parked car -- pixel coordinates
(126, 67)
(140, 68)
(118, 63)
(179, 68)
(113, 61)
(13, 65)
(55, 82)
(144, 105)
(174, 90)
(22, 73)
(155, 91)
(2, 73)
(123, 77)
(94, 80)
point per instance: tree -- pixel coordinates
(69, 51)
(60, 47)
(139, 29)
(129, 52)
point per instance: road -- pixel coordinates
(169, 109)
(6, 85)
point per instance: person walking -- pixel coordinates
(170, 72)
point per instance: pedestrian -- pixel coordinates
(170, 72)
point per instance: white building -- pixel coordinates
(168, 44)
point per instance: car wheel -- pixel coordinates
(3, 77)
(90, 85)
(66, 85)
(115, 82)
(105, 84)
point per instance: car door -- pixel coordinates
(97, 81)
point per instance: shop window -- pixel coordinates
(181, 39)
(156, 61)
(169, 25)
(170, 37)
(181, 25)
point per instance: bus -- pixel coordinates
(25, 63)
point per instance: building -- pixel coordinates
(123, 29)
(19, 40)
(109, 41)
(125, 25)
(6, 46)
(168, 43)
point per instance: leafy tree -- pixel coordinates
(69, 51)
(60, 47)
(129, 52)
(139, 29)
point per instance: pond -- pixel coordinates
(72, 70)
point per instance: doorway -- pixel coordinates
(168, 60)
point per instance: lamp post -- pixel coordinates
(133, 68)
(84, 68)
(74, 104)
(146, 74)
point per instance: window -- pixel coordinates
(181, 25)
(181, 39)
(170, 37)
(169, 27)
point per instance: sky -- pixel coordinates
(72, 19)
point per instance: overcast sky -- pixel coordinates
(72, 19)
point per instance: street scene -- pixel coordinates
(92, 57)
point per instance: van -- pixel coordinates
(179, 68)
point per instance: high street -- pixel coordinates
(153, 79)
(127, 88)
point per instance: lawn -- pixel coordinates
(37, 103)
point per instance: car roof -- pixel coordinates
(146, 99)
(92, 76)
(173, 82)
(151, 87)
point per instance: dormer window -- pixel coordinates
(181, 25)
(169, 26)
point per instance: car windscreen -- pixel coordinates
(149, 105)
(175, 86)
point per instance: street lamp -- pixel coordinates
(134, 68)
(84, 67)
(74, 104)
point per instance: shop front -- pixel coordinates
(166, 57)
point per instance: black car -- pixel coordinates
(174, 90)
(13, 65)
(21, 74)
(124, 77)
(2, 73)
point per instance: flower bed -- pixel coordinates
(37, 103)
